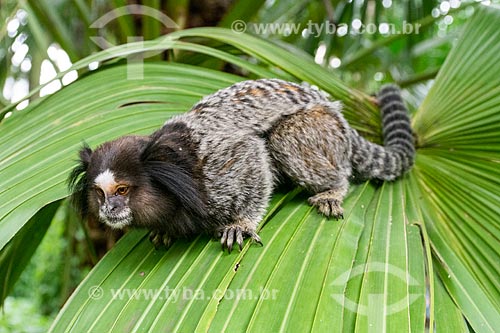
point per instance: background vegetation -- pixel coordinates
(438, 225)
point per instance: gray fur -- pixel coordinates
(306, 137)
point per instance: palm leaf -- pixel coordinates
(459, 129)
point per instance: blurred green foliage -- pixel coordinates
(57, 267)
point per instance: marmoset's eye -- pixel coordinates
(122, 190)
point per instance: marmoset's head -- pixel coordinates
(135, 181)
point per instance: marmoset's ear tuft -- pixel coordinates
(85, 154)
(172, 173)
(175, 180)
(78, 182)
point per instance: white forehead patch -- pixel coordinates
(105, 180)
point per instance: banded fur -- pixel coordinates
(386, 162)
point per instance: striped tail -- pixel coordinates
(370, 160)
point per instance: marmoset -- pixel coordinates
(212, 170)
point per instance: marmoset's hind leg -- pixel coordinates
(313, 149)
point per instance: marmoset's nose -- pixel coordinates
(114, 203)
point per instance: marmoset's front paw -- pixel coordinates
(235, 233)
(160, 239)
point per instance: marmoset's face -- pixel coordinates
(121, 185)
(109, 198)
